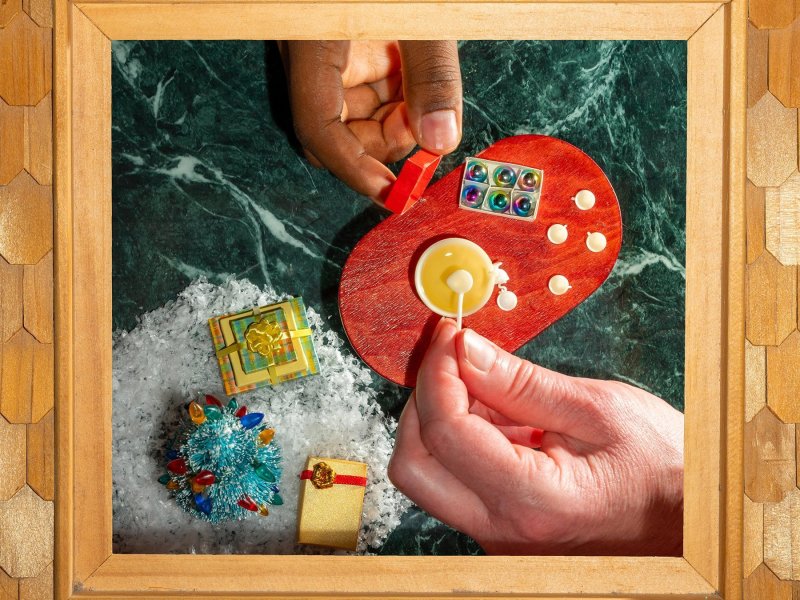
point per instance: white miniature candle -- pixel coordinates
(558, 285)
(584, 199)
(596, 242)
(557, 234)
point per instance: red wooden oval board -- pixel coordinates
(390, 327)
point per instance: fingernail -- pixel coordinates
(480, 352)
(439, 130)
(439, 327)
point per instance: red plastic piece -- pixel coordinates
(240, 412)
(177, 466)
(247, 503)
(390, 327)
(205, 477)
(414, 177)
(212, 400)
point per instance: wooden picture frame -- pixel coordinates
(712, 562)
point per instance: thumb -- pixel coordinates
(528, 393)
(432, 91)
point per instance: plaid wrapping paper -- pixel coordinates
(254, 363)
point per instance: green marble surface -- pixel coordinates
(207, 180)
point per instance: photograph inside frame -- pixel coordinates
(467, 339)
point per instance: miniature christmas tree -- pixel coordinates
(223, 464)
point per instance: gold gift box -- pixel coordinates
(331, 502)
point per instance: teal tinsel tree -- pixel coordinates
(224, 463)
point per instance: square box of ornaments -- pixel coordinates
(225, 463)
(501, 188)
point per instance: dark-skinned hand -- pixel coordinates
(357, 105)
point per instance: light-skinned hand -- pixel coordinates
(359, 104)
(607, 480)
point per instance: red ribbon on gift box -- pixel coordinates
(339, 479)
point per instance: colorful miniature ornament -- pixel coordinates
(401, 268)
(264, 346)
(222, 468)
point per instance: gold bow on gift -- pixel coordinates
(264, 337)
(323, 477)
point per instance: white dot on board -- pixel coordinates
(557, 234)
(596, 242)
(584, 199)
(558, 284)
(507, 300)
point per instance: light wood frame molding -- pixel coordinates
(712, 562)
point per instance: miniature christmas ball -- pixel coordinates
(473, 195)
(225, 465)
(498, 201)
(504, 176)
(477, 172)
(522, 205)
(529, 180)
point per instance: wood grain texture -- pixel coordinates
(91, 211)
(755, 373)
(783, 379)
(39, 587)
(771, 14)
(26, 534)
(11, 299)
(40, 456)
(705, 323)
(12, 458)
(757, 56)
(40, 11)
(9, 587)
(763, 585)
(771, 300)
(8, 10)
(62, 299)
(769, 467)
(25, 206)
(379, 20)
(771, 142)
(782, 536)
(26, 380)
(39, 140)
(38, 297)
(784, 64)
(12, 146)
(25, 62)
(783, 220)
(753, 542)
(734, 244)
(390, 327)
(380, 576)
(756, 221)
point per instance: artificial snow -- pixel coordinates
(168, 359)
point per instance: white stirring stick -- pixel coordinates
(460, 282)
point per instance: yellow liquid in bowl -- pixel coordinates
(439, 261)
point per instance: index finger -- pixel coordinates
(317, 99)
